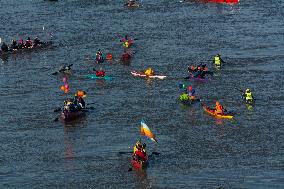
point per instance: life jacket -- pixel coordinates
(140, 154)
(100, 73)
(217, 60)
(183, 97)
(149, 72)
(219, 109)
(126, 44)
(249, 96)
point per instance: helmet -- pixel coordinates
(189, 88)
(247, 90)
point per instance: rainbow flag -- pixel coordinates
(144, 130)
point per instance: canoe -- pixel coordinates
(93, 76)
(10, 52)
(141, 74)
(139, 164)
(212, 112)
(69, 116)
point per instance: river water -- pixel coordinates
(196, 150)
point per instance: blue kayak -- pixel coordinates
(93, 76)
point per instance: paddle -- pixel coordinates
(64, 68)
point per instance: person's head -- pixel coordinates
(192, 67)
(29, 38)
(248, 90)
(218, 55)
(189, 88)
(217, 103)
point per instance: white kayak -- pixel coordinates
(141, 74)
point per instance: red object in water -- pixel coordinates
(125, 56)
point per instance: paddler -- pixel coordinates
(100, 73)
(137, 145)
(29, 43)
(248, 95)
(218, 60)
(149, 72)
(37, 42)
(78, 99)
(14, 45)
(218, 108)
(4, 47)
(99, 56)
(191, 92)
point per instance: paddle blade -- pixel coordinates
(145, 130)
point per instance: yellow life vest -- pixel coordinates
(249, 96)
(217, 60)
(126, 44)
(134, 149)
(149, 72)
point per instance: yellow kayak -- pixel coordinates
(212, 112)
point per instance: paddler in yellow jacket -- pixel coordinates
(149, 72)
(248, 95)
(137, 146)
(218, 60)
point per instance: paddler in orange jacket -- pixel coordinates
(218, 108)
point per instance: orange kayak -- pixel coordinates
(212, 112)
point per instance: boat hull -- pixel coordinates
(212, 112)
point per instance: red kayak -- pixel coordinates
(139, 164)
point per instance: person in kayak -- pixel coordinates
(4, 47)
(191, 93)
(14, 45)
(149, 72)
(248, 95)
(140, 152)
(219, 109)
(37, 42)
(131, 3)
(29, 43)
(100, 73)
(78, 100)
(21, 44)
(218, 60)
(136, 146)
(99, 56)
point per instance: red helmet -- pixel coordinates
(189, 88)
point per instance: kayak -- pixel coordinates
(141, 74)
(189, 101)
(69, 116)
(93, 76)
(212, 112)
(40, 46)
(139, 164)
